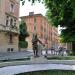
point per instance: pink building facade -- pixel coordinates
(36, 23)
(9, 25)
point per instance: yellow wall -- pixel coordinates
(4, 42)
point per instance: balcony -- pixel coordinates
(2, 27)
(12, 29)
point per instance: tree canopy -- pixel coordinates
(32, 1)
(23, 29)
(23, 34)
(61, 12)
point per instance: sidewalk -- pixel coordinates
(15, 55)
(27, 54)
(40, 60)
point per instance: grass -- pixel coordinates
(49, 72)
(21, 59)
(60, 58)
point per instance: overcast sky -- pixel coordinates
(37, 8)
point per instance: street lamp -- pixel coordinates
(46, 45)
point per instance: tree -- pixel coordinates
(62, 12)
(23, 35)
(32, 1)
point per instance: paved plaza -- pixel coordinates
(11, 70)
(15, 55)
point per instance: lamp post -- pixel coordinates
(46, 45)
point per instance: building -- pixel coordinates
(55, 37)
(9, 27)
(37, 23)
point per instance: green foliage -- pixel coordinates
(23, 29)
(61, 57)
(23, 44)
(54, 7)
(32, 1)
(68, 35)
(62, 12)
(49, 72)
(23, 35)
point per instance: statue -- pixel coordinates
(35, 46)
(35, 41)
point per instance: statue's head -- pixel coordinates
(35, 35)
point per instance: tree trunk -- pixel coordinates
(73, 48)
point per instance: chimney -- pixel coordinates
(31, 13)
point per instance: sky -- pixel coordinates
(37, 8)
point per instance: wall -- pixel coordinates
(4, 42)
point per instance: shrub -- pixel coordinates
(23, 44)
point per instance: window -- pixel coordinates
(10, 39)
(14, 22)
(35, 19)
(34, 27)
(12, 49)
(12, 7)
(8, 49)
(7, 20)
(35, 23)
(11, 22)
(41, 35)
(0, 4)
(42, 28)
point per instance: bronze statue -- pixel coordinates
(35, 41)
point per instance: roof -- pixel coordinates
(31, 15)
